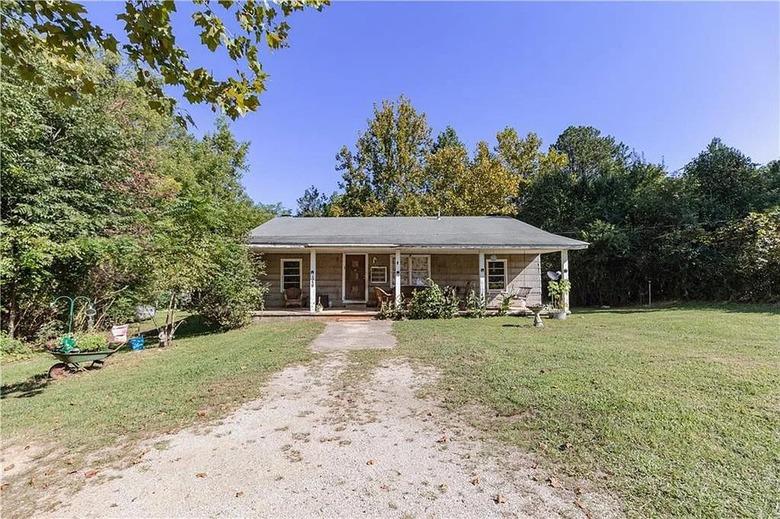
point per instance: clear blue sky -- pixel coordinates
(662, 77)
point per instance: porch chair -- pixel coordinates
(521, 294)
(382, 297)
(293, 297)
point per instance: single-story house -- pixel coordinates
(341, 260)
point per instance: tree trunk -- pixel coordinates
(13, 312)
(170, 320)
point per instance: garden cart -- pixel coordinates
(71, 359)
(72, 362)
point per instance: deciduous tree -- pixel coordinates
(63, 35)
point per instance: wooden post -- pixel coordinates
(482, 274)
(565, 275)
(397, 276)
(313, 281)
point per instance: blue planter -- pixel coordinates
(136, 343)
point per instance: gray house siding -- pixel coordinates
(455, 270)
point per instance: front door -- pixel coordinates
(355, 277)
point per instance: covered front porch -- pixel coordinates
(351, 282)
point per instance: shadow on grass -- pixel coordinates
(195, 326)
(191, 326)
(26, 388)
(733, 308)
(525, 325)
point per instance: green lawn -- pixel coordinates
(142, 393)
(677, 411)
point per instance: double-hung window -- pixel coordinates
(496, 274)
(415, 270)
(291, 273)
(419, 270)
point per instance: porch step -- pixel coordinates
(340, 314)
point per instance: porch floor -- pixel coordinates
(352, 311)
(355, 312)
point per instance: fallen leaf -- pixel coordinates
(499, 499)
(90, 473)
(583, 508)
(3, 486)
(200, 475)
(554, 482)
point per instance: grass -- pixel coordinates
(139, 394)
(677, 411)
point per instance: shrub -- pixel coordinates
(506, 301)
(556, 291)
(232, 292)
(391, 311)
(12, 349)
(91, 341)
(475, 305)
(433, 303)
(48, 333)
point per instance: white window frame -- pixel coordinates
(281, 272)
(408, 259)
(488, 261)
(379, 268)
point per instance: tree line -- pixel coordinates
(710, 231)
(111, 199)
(104, 192)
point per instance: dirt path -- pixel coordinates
(314, 446)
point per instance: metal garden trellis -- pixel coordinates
(72, 304)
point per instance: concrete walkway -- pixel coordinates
(355, 335)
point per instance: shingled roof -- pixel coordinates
(403, 231)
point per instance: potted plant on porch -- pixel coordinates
(557, 289)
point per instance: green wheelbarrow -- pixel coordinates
(73, 362)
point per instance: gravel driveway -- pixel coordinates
(315, 446)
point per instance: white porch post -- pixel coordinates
(482, 283)
(397, 276)
(313, 281)
(565, 275)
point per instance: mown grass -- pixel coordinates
(139, 394)
(676, 410)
